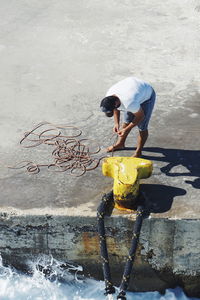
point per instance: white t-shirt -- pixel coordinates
(132, 92)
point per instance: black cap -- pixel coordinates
(108, 105)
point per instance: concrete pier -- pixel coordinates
(57, 62)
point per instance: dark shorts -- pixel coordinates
(147, 107)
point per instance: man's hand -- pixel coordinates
(116, 128)
(122, 132)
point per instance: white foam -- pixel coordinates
(17, 286)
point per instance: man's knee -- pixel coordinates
(144, 133)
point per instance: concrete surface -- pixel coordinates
(57, 61)
(57, 58)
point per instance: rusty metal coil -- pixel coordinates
(69, 154)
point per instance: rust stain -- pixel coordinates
(90, 243)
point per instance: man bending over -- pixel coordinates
(136, 99)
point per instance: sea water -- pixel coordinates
(53, 280)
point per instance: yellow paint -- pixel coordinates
(126, 172)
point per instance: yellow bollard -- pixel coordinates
(126, 172)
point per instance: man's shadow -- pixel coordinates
(160, 197)
(189, 159)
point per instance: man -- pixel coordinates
(136, 99)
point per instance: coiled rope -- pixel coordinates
(69, 153)
(107, 200)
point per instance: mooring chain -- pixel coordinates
(70, 153)
(101, 210)
(106, 201)
(132, 252)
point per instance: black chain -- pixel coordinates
(101, 211)
(131, 256)
(106, 202)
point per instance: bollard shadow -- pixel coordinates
(176, 159)
(158, 198)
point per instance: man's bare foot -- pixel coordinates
(115, 147)
(137, 154)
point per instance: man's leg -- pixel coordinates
(142, 138)
(147, 107)
(120, 144)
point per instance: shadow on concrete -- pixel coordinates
(158, 197)
(186, 160)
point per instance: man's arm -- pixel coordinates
(116, 114)
(139, 116)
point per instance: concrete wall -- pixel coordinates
(167, 256)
